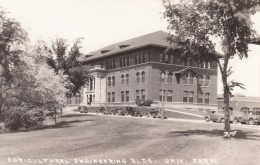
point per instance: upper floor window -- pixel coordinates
(128, 61)
(127, 79)
(143, 58)
(109, 81)
(137, 77)
(140, 58)
(166, 58)
(207, 80)
(170, 78)
(136, 59)
(143, 77)
(113, 96)
(200, 79)
(122, 79)
(172, 59)
(190, 79)
(185, 79)
(161, 58)
(113, 81)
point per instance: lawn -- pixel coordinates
(129, 140)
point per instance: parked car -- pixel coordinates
(133, 111)
(218, 116)
(250, 117)
(83, 109)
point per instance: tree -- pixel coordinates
(194, 25)
(13, 41)
(67, 61)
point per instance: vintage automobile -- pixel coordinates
(250, 116)
(218, 116)
(133, 111)
(83, 109)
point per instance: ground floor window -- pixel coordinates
(127, 96)
(143, 94)
(200, 97)
(206, 98)
(113, 96)
(185, 96)
(108, 97)
(191, 97)
(169, 96)
(162, 95)
(137, 94)
(122, 96)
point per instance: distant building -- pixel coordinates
(134, 69)
(240, 102)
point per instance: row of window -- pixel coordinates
(171, 59)
(188, 79)
(140, 94)
(124, 96)
(140, 58)
(110, 64)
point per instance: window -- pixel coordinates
(191, 94)
(143, 94)
(143, 77)
(161, 58)
(185, 96)
(125, 61)
(107, 65)
(166, 58)
(144, 57)
(206, 98)
(91, 85)
(127, 79)
(109, 81)
(244, 109)
(169, 96)
(113, 81)
(140, 58)
(136, 59)
(122, 96)
(121, 62)
(185, 79)
(128, 61)
(207, 80)
(170, 78)
(122, 79)
(200, 79)
(137, 77)
(209, 64)
(110, 65)
(137, 94)
(200, 97)
(127, 96)
(113, 96)
(172, 59)
(204, 64)
(190, 78)
(108, 97)
(162, 95)
(114, 64)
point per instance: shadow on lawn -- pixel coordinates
(216, 133)
(62, 124)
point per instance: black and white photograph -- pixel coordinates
(129, 82)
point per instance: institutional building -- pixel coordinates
(141, 68)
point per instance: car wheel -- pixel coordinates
(222, 120)
(207, 119)
(235, 121)
(251, 122)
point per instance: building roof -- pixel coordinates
(158, 38)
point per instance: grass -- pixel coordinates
(103, 137)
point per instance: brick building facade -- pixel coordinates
(140, 68)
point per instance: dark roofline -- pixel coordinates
(123, 50)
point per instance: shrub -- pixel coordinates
(140, 102)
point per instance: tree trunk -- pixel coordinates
(226, 106)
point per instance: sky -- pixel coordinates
(104, 22)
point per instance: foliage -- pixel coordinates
(140, 102)
(64, 60)
(194, 25)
